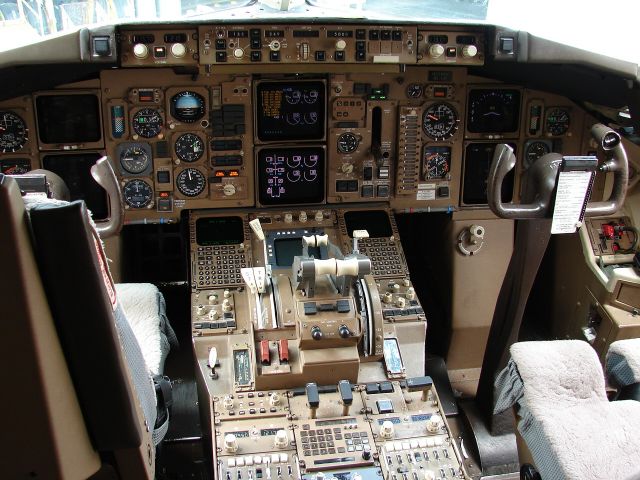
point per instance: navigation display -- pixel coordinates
(477, 160)
(290, 175)
(68, 118)
(290, 110)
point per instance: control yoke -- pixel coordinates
(537, 195)
(102, 172)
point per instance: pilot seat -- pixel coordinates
(86, 355)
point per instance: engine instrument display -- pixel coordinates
(440, 121)
(187, 106)
(65, 119)
(436, 162)
(134, 157)
(13, 132)
(191, 182)
(137, 193)
(290, 110)
(189, 147)
(493, 110)
(219, 231)
(147, 122)
(291, 175)
(558, 121)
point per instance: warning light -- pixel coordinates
(234, 173)
(219, 173)
(164, 194)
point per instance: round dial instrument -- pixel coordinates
(187, 106)
(558, 121)
(534, 150)
(191, 182)
(437, 162)
(440, 121)
(415, 90)
(189, 147)
(347, 143)
(147, 122)
(13, 132)
(137, 193)
(135, 159)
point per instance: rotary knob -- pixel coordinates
(316, 333)
(140, 50)
(281, 439)
(274, 399)
(386, 430)
(229, 189)
(200, 310)
(436, 50)
(178, 50)
(469, 51)
(341, 45)
(238, 52)
(288, 218)
(395, 287)
(213, 315)
(226, 305)
(344, 331)
(302, 217)
(388, 297)
(227, 402)
(400, 302)
(434, 424)
(411, 293)
(319, 216)
(226, 293)
(347, 168)
(230, 443)
(212, 299)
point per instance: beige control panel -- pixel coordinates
(193, 120)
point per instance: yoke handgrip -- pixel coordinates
(610, 141)
(102, 172)
(503, 162)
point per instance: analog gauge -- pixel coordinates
(347, 143)
(13, 132)
(436, 162)
(137, 193)
(533, 150)
(557, 121)
(310, 96)
(189, 147)
(292, 96)
(15, 166)
(187, 106)
(135, 158)
(440, 121)
(415, 90)
(191, 182)
(147, 122)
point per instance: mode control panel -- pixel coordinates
(239, 44)
(450, 47)
(158, 48)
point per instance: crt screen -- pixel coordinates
(375, 222)
(291, 175)
(290, 110)
(219, 231)
(68, 118)
(287, 248)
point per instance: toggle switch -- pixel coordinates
(346, 395)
